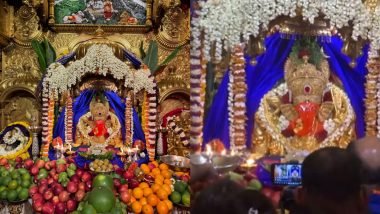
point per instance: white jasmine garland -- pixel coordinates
(99, 59)
(283, 123)
(329, 125)
(224, 22)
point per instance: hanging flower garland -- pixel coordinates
(47, 134)
(128, 121)
(229, 20)
(236, 99)
(69, 119)
(197, 81)
(152, 117)
(101, 60)
(177, 130)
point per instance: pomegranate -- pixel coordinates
(125, 197)
(116, 182)
(55, 200)
(128, 175)
(39, 163)
(33, 190)
(79, 172)
(88, 185)
(75, 178)
(123, 188)
(34, 170)
(82, 186)
(42, 188)
(37, 205)
(57, 189)
(61, 168)
(28, 164)
(86, 176)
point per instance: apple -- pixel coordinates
(72, 187)
(185, 178)
(151, 166)
(28, 163)
(133, 183)
(125, 197)
(47, 208)
(58, 188)
(88, 185)
(33, 190)
(34, 170)
(3, 161)
(80, 195)
(128, 175)
(60, 208)
(82, 186)
(37, 205)
(18, 159)
(71, 205)
(75, 178)
(63, 196)
(50, 180)
(86, 176)
(123, 188)
(55, 200)
(39, 163)
(116, 182)
(42, 188)
(55, 177)
(79, 172)
(43, 181)
(61, 168)
(37, 197)
(48, 195)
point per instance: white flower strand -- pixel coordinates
(229, 20)
(101, 60)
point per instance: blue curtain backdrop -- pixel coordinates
(269, 70)
(81, 106)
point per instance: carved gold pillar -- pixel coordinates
(371, 96)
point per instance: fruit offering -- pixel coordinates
(14, 183)
(101, 166)
(181, 193)
(60, 185)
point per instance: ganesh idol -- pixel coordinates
(306, 112)
(99, 126)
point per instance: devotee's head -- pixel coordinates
(368, 151)
(212, 200)
(331, 182)
(227, 197)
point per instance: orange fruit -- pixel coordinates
(166, 173)
(169, 204)
(136, 207)
(147, 209)
(163, 166)
(143, 185)
(162, 194)
(138, 193)
(168, 181)
(167, 189)
(143, 201)
(145, 168)
(159, 181)
(162, 208)
(161, 177)
(155, 187)
(153, 200)
(133, 199)
(156, 171)
(147, 191)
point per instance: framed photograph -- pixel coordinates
(111, 15)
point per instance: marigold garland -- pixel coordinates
(69, 120)
(128, 121)
(47, 139)
(152, 116)
(237, 99)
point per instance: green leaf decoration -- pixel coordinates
(151, 59)
(38, 48)
(142, 52)
(171, 56)
(50, 53)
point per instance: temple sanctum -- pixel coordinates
(94, 102)
(281, 93)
